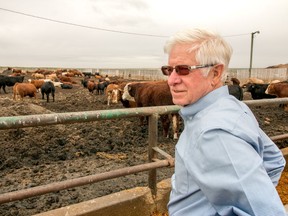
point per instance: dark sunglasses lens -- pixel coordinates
(182, 69)
(166, 70)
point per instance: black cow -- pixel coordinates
(87, 74)
(84, 82)
(9, 81)
(66, 86)
(258, 91)
(47, 88)
(236, 91)
(100, 88)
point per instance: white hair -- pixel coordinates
(209, 47)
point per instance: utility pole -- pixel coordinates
(251, 51)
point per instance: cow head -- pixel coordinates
(270, 89)
(126, 95)
(115, 96)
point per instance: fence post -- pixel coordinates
(152, 142)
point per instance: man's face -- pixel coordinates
(187, 89)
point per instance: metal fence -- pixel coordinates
(266, 74)
(77, 117)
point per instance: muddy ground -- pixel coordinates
(42, 155)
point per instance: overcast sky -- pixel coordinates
(132, 33)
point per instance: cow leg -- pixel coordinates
(14, 96)
(4, 89)
(286, 107)
(165, 125)
(108, 99)
(141, 120)
(175, 125)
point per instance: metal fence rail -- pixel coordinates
(71, 183)
(13, 122)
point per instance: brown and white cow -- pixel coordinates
(38, 76)
(37, 83)
(126, 103)
(112, 93)
(24, 89)
(56, 84)
(232, 81)
(235, 81)
(155, 93)
(253, 80)
(18, 71)
(52, 76)
(65, 79)
(91, 85)
(280, 89)
(76, 72)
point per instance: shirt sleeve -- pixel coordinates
(231, 175)
(273, 159)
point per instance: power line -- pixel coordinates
(237, 35)
(83, 26)
(96, 28)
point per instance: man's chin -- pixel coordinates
(178, 102)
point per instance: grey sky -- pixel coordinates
(33, 42)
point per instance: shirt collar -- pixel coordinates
(202, 103)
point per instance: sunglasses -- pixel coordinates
(182, 69)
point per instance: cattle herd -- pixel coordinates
(144, 93)
(41, 155)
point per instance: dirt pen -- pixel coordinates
(157, 158)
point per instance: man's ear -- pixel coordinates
(218, 71)
(216, 74)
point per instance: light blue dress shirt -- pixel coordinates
(224, 163)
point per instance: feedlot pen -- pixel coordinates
(156, 157)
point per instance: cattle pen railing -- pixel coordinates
(14, 122)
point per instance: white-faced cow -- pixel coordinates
(258, 91)
(156, 93)
(280, 90)
(112, 93)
